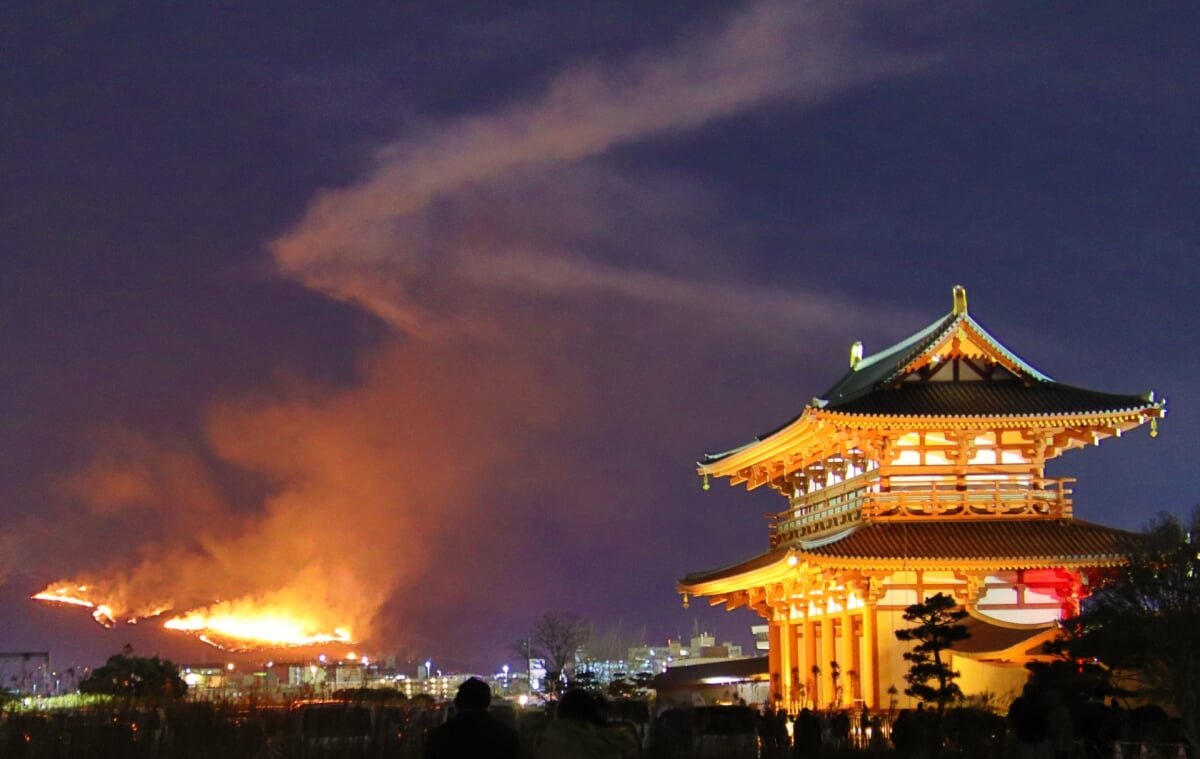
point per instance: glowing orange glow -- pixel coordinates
(64, 595)
(254, 627)
(228, 625)
(104, 615)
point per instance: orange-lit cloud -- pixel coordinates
(362, 486)
(131, 472)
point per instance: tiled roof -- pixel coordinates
(880, 366)
(691, 675)
(887, 365)
(1000, 543)
(995, 398)
(875, 386)
(996, 540)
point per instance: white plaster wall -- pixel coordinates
(1021, 616)
(1002, 683)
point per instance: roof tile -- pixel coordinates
(993, 540)
(995, 398)
(1002, 542)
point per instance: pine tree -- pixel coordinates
(937, 629)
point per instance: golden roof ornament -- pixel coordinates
(960, 300)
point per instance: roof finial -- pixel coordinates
(960, 300)
(856, 354)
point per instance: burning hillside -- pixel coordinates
(231, 626)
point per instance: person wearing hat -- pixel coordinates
(473, 733)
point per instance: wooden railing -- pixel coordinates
(978, 500)
(860, 498)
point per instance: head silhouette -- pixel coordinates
(473, 694)
(578, 704)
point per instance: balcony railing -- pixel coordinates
(860, 498)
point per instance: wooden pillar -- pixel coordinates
(870, 658)
(797, 668)
(787, 648)
(810, 658)
(773, 646)
(827, 656)
(845, 655)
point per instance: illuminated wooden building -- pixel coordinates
(921, 471)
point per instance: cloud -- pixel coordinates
(386, 242)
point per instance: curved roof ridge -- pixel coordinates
(1000, 348)
(877, 367)
(890, 363)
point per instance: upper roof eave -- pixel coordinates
(1155, 411)
(809, 423)
(763, 446)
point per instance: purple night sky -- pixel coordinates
(425, 315)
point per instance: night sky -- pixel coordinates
(424, 315)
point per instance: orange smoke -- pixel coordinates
(361, 490)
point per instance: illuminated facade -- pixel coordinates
(921, 471)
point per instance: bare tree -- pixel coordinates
(555, 637)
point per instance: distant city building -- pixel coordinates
(537, 674)
(724, 681)
(314, 679)
(762, 637)
(28, 673)
(657, 659)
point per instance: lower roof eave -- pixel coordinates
(780, 564)
(971, 565)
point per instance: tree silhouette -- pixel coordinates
(135, 677)
(937, 629)
(1143, 621)
(555, 637)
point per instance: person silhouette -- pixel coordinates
(473, 733)
(1027, 717)
(580, 732)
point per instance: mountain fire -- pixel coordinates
(231, 626)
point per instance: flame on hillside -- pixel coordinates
(232, 626)
(76, 596)
(224, 626)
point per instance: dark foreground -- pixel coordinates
(334, 730)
